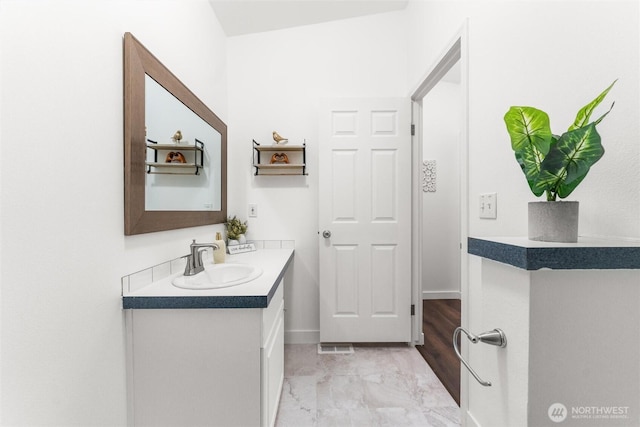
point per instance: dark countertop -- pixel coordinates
(255, 294)
(588, 253)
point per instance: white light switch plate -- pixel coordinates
(489, 205)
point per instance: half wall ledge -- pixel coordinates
(587, 253)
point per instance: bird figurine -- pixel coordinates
(177, 137)
(278, 139)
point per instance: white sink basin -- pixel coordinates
(219, 276)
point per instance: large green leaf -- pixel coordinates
(531, 138)
(530, 161)
(528, 127)
(569, 160)
(584, 115)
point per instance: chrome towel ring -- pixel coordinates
(495, 337)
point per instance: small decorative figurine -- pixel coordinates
(177, 137)
(279, 158)
(279, 139)
(175, 157)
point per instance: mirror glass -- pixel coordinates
(168, 188)
(175, 150)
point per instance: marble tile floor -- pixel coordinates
(375, 386)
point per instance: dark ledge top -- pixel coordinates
(588, 253)
(257, 294)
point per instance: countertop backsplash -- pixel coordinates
(135, 281)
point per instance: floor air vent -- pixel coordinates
(335, 349)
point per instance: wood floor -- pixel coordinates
(440, 319)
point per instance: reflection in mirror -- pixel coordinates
(171, 179)
(195, 188)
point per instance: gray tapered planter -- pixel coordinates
(553, 221)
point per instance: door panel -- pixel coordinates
(344, 194)
(383, 283)
(383, 183)
(365, 202)
(346, 280)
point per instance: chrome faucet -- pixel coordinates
(194, 259)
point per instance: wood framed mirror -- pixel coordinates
(157, 197)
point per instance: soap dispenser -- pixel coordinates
(219, 254)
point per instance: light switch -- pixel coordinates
(253, 210)
(489, 205)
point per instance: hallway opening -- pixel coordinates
(441, 209)
(440, 318)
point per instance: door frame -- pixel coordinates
(456, 50)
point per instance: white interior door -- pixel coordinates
(365, 220)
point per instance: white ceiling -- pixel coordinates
(239, 17)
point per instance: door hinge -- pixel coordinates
(413, 309)
(413, 130)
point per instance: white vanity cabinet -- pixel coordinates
(213, 367)
(272, 358)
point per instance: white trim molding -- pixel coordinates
(302, 336)
(441, 295)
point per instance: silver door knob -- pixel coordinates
(326, 234)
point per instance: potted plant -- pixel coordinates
(555, 165)
(236, 230)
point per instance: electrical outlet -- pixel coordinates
(489, 205)
(253, 210)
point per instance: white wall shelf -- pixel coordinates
(279, 159)
(169, 168)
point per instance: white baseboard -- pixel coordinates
(470, 421)
(301, 336)
(441, 295)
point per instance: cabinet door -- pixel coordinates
(272, 354)
(273, 373)
(190, 368)
(271, 313)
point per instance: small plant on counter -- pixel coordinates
(553, 164)
(235, 228)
